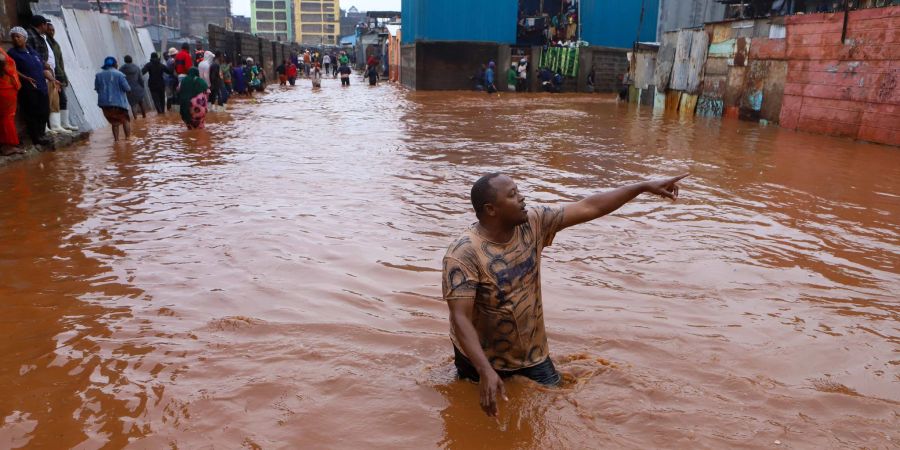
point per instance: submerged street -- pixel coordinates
(274, 280)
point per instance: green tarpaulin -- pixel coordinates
(562, 59)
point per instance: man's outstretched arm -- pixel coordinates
(599, 205)
(490, 384)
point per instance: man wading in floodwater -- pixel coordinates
(492, 280)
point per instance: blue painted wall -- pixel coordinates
(460, 20)
(614, 23)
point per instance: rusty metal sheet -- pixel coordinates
(687, 105)
(713, 86)
(720, 32)
(716, 67)
(763, 90)
(741, 52)
(724, 49)
(734, 86)
(681, 66)
(665, 59)
(645, 68)
(696, 60)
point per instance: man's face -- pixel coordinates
(509, 204)
(19, 40)
(50, 30)
(42, 28)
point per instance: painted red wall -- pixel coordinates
(847, 89)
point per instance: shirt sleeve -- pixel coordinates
(123, 83)
(547, 220)
(460, 280)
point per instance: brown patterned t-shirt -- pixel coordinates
(505, 281)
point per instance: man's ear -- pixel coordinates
(490, 210)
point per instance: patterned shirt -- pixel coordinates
(504, 279)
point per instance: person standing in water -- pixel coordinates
(345, 74)
(492, 280)
(112, 96)
(156, 81)
(316, 76)
(192, 97)
(136, 82)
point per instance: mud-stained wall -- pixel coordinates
(451, 65)
(610, 64)
(849, 89)
(408, 66)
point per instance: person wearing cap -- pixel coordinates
(33, 97)
(112, 89)
(62, 78)
(522, 82)
(9, 95)
(36, 33)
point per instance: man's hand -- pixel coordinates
(490, 384)
(666, 187)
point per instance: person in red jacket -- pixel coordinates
(291, 72)
(183, 62)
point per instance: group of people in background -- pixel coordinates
(314, 65)
(516, 77)
(33, 82)
(195, 84)
(32, 85)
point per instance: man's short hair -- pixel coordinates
(483, 193)
(185, 46)
(127, 59)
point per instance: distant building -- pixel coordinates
(195, 16)
(138, 12)
(272, 19)
(350, 19)
(241, 24)
(316, 22)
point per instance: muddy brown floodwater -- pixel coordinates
(274, 282)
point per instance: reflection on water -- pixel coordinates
(273, 280)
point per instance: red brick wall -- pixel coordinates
(850, 89)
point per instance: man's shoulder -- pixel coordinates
(462, 248)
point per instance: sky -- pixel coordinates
(242, 7)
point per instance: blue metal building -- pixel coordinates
(605, 23)
(460, 20)
(614, 23)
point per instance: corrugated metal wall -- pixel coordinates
(461, 20)
(614, 23)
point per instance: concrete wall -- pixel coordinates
(408, 66)
(609, 65)
(449, 65)
(849, 89)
